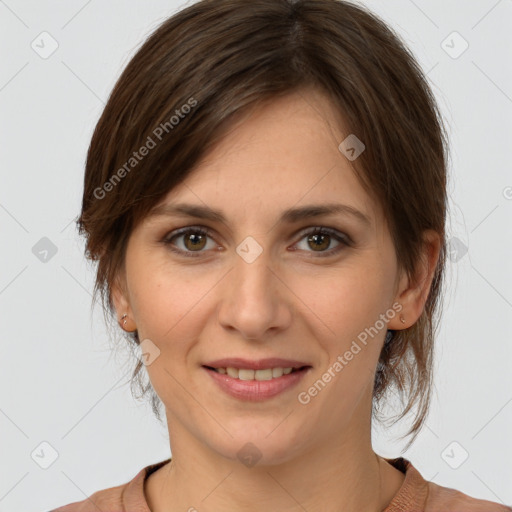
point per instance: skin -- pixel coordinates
(287, 303)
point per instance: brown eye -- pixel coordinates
(320, 239)
(193, 241)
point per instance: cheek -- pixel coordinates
(172, 310)
(344, 302)
(350, 304)
(170, 313)
(165, 300)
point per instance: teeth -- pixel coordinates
(277, 372)
(247, 374)
(232, 372)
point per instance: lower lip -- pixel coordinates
(256, 390)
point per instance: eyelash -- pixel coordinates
(345, 240)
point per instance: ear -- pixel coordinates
(120, 299)
(412, 293)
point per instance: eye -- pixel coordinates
(194, 239)
(321, 238)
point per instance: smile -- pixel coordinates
(249, 374)
(256, 385)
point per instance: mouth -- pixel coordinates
(267, 380)
(258, 375)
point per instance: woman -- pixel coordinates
(265, 195)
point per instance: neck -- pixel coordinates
(342, 473)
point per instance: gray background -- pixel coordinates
(61, 384)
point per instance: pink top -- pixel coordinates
(415, 495)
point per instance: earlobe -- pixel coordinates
(414, 291)
(122, 306)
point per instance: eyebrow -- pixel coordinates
(290, 215)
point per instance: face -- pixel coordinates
(260, 284)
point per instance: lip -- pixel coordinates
(261, 364)
(256, 390)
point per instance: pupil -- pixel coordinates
(316, 238)
(195, 240)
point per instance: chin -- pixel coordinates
(260, 446)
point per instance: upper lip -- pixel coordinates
(261, 364)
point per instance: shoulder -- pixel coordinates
(121, 498)
(106, 500)
(456, 501)
(419, 495)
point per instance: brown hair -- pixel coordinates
(215, 59)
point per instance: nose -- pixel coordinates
(255, 301)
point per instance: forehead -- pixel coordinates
(282, 155)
